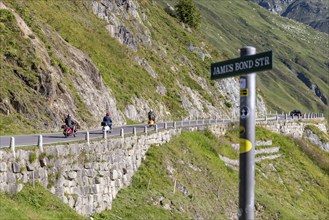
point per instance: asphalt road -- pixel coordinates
(32, 139)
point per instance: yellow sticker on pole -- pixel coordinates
(245, 145)
(243, 92)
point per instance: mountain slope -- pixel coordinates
(310, 12)
(84, 65)
(125, 57)
(35, 202)
(300, 76)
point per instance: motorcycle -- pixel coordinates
(106, 127)
(69, 131)
(151, 123)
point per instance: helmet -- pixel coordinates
(151, 110)
(68, 115)
(107, 114)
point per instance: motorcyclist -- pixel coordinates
(108, 120)
(70, 122)
(151, 115)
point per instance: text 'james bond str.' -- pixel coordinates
(242, 65)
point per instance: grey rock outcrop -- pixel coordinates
(89, 83)
(116, 13)
(201, 53)
(313, 138)
(313, 13)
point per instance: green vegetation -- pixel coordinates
(188, 13)
(185, 159)
(120, 73)
(289, 187)
(317, 155)
(34, 203)
(43, 155)
(19, 81)
(26, 94)
(32, 156)
(300, 52)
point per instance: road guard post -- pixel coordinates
(245, 66)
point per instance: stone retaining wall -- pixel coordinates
(294, 128)
(87, 177)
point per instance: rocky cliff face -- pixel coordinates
(313, 13)
(59, 95)
(57, 78)
(277, 6)
(136, 35)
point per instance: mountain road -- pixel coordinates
(52, 138)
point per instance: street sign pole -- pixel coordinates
(247, 140)
(245, 66)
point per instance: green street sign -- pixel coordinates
(242, 65)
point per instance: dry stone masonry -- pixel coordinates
(294, 128)
(86, 177)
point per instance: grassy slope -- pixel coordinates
(84, 31)
(290, 187)
(34, 203)
(20, 58)
(80, 27)
(230, 25)
(222, 27)
(302, 47)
